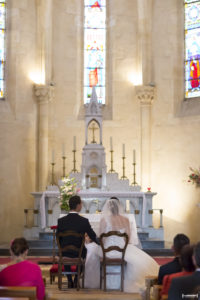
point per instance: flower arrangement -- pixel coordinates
(194, 177)
(67, 189)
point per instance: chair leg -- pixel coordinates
(100, 276)
(122, 278)
(60, 277)
(83, 277)
(104, 267)
(78, 279)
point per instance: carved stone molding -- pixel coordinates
(44, 93)
(146, 94)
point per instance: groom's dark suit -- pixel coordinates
(78, 224)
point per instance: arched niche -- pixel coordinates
(93, 132)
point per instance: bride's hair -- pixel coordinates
(113, 206)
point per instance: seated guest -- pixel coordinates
(174, 266)
(187, 265)
(21, 272)
(186, 285)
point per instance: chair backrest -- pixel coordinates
(123, 235)
(70, 246)
(18, 291)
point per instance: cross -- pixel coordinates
(93, 128)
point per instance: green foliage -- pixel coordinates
(67, 190)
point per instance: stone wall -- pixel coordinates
(144, 41)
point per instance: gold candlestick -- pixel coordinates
(52, 173)
(134, 175)
(64, 157)
(111, 162)
(123, 168)
(74, 170)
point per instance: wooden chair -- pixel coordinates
(106, 261)
(18, 291)
(150, 281)
(156, 291)
(53, 272)
(78, 263)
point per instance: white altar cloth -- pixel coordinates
(43, 206)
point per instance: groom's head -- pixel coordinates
(75, 203)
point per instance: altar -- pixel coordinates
(139, 204)
(96, 185)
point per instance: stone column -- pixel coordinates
(43, 95)
(145, 58)
(44, 87)
(145, 95)
(44, 39)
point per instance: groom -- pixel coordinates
(73, 221)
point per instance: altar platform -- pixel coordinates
(43, 246)
(47, 210)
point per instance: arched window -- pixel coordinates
(192, 48)
(2, 47)
(94, 49)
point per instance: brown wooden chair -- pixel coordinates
(156, 291)
(78, 263)
(150, 281)
(106, 261)
(53, 272)
(18, 291)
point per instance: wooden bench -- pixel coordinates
(18, 291)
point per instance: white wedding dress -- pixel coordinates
(139, 264)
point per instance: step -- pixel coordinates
(40, 243)
(48, 252)
(46, 235)
(152, 244)
(143, 235)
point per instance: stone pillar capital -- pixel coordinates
(145, 94)
(44, 93)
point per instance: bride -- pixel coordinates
(139, 264)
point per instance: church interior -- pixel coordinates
(150, 118)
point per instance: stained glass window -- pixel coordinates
(94, 49)
(192, 48)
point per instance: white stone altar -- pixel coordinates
(96, 184)
(47, 203)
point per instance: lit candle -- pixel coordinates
(63, 149)
(127, 205)
(123, 150)
(74, 143)
(53, 156)
(111, 144)
(134, 156)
